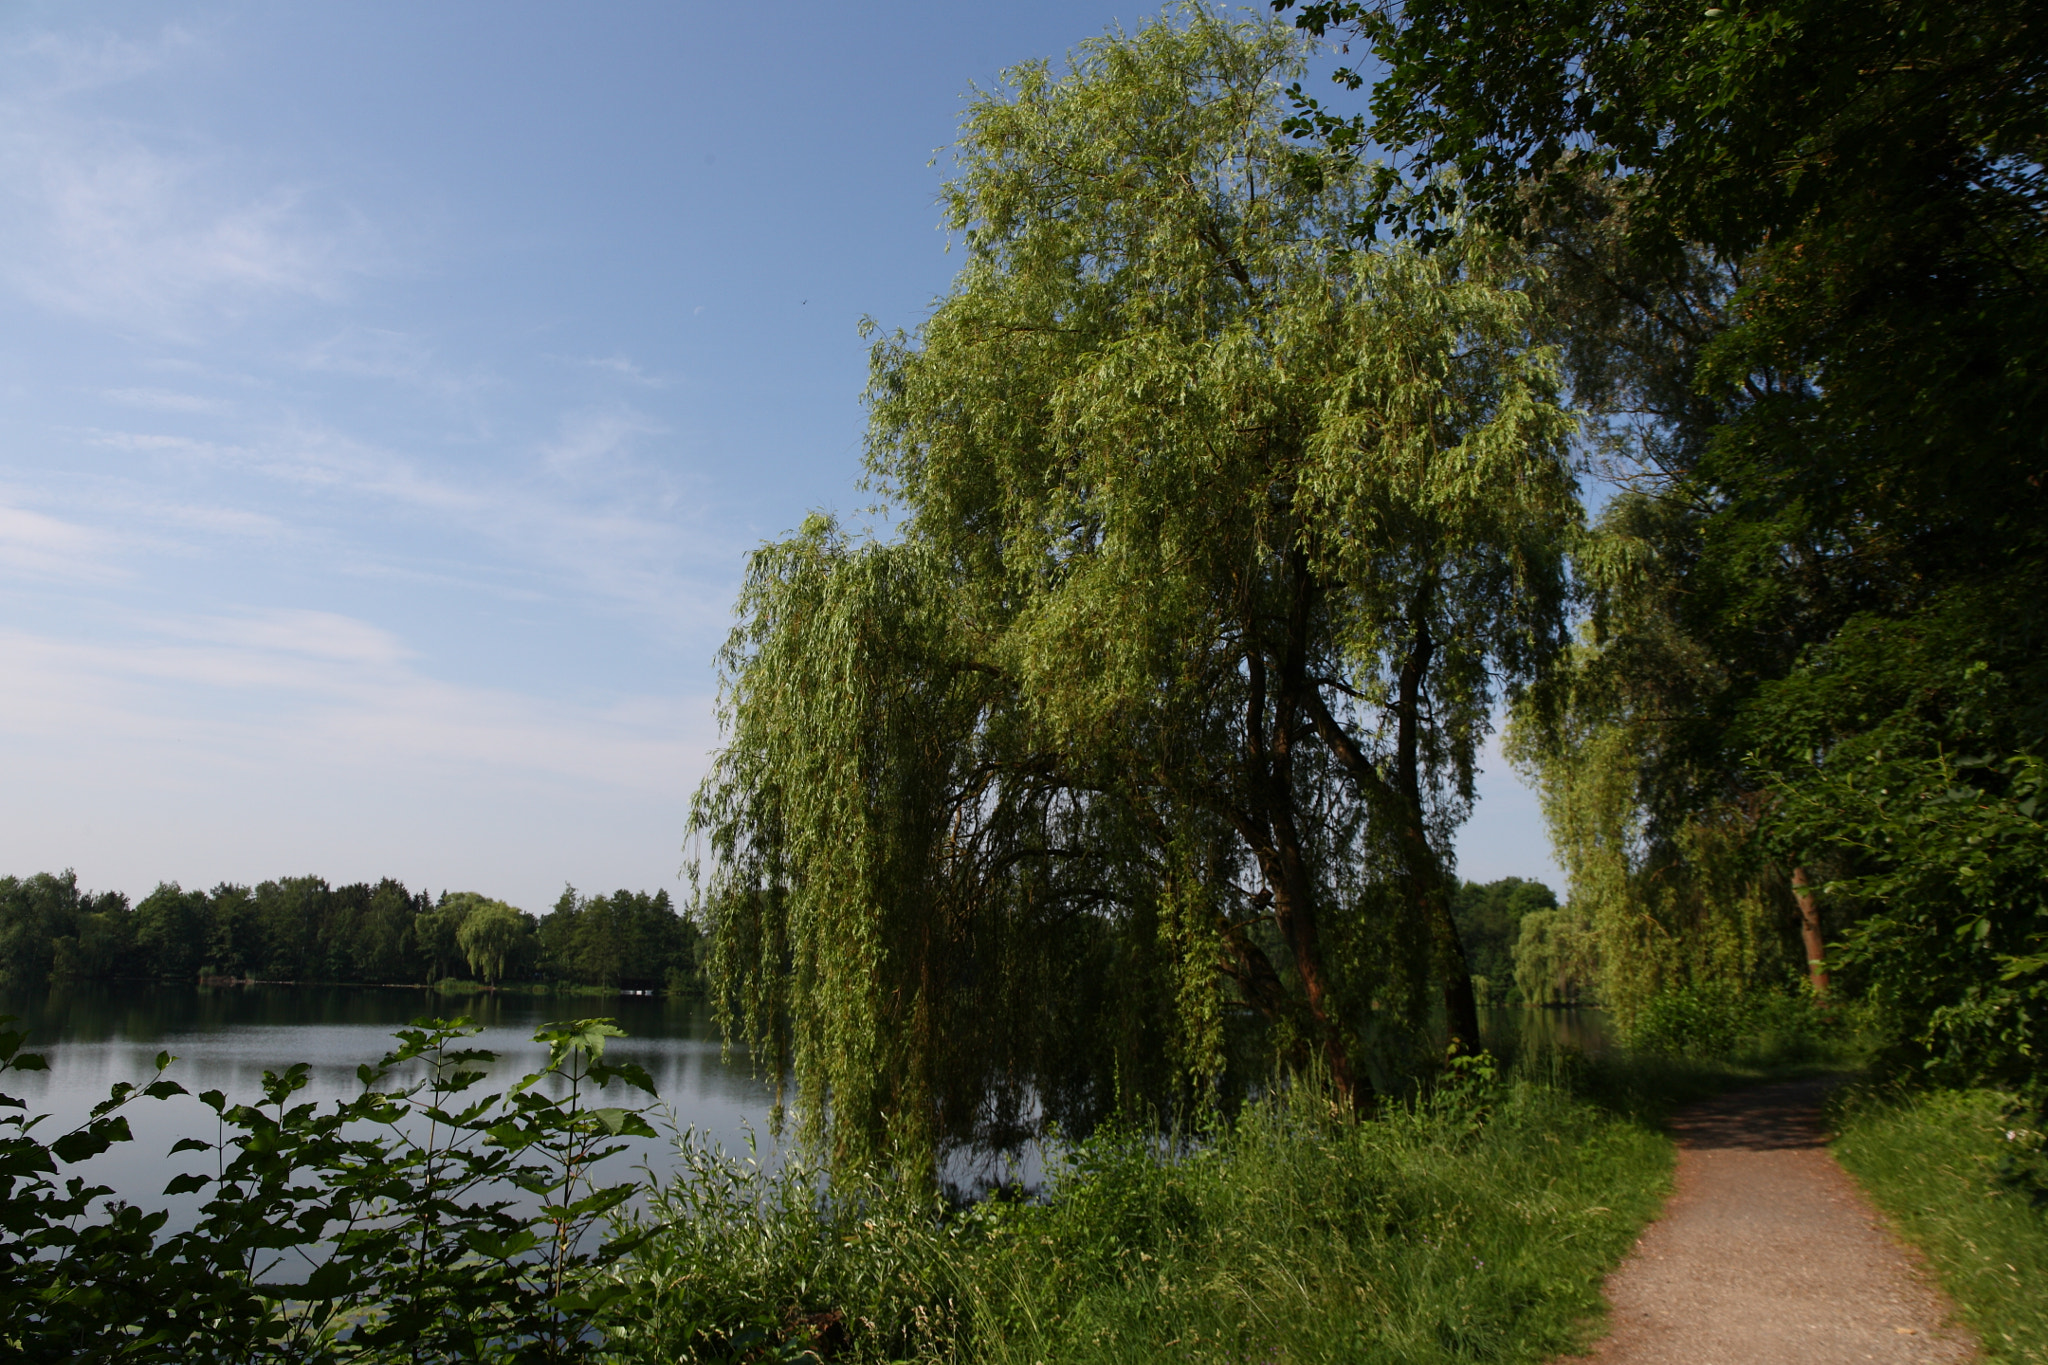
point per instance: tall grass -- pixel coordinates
(1475, 1225)
(1930, 1159)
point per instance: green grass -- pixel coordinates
(1476, 1227)
(1927, 1159)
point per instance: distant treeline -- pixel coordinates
(302, 929)
(1522, 947)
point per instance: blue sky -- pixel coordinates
(389, 394)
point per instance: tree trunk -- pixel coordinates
(1425, 873)
(1461, 1002)
(1809, 930)
(1271, 832)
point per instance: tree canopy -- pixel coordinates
(1219, 535)
(1800, 247)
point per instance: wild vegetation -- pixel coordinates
(419, 1221)
(302, 929)
(1964, 1173)
(1471, 1226)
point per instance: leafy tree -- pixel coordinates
(1219, 533)
(171, 931)
(629, 938)
(1652, 805)
(1489, 921)
(50, 930)
(1813, 238)
(436, 933)
(290, 913)
(1556, 957)
(366, 932)
(101, 942)
(492, 937)
(32, 914)
(234, 937)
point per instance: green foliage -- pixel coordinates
(629, 939)
(1716, 1021)
(301, 929)
(1797, 247)
(1219, 537)
(1489, 920)
(420, 1220)
(1475, 1225)
(171, 930)
(48, 928)
(491, 938)
(1557, 957)
(1637, 759)
(1875, 175)
(1931, 1159)
(1954, 869)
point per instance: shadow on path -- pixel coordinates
(1768, 1118)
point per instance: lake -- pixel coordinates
(226, 1037)
(1579, 1029)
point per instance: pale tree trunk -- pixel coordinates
(1809, 931)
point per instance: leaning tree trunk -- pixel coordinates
(1809, 931)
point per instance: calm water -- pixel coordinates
(1583, 1030)
(226, 1037)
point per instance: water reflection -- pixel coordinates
(226, 1037)
(1511, 1029)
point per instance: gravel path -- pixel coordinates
(1767, 1252)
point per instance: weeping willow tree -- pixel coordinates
(1219, 534)
(1653, 806)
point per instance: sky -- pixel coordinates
(391, 393)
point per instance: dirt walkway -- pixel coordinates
(1767, 1252)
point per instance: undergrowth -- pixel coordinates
(1933, 1160)
(1474, 1225)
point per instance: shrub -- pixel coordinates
(388, 1228)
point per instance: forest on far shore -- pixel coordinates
(302, 929)
(1522, 947)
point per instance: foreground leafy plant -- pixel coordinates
(421, 1220)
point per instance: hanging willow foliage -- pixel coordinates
(1219, 536)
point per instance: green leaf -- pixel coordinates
(329, 1280)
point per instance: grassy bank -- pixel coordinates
(1929, 1160)
(1475, 1227)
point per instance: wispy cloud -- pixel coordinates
(286, 688)
(167, 400)
(621, 367)
(152, 234)
(296, 633)
(585, 438)
(582, 511)
(381, 353)
(47, 65)
(35, 545)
